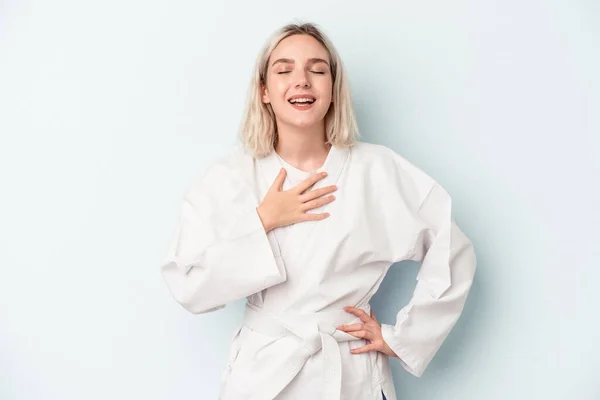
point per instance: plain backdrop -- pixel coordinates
(109, 110)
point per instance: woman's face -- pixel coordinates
(299, 69)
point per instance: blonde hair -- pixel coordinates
(258, 128)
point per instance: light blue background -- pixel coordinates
(109, 110)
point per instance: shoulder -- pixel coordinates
(378, 153)
(226, 167)
(232, 162)
(383, 161)
(224, 178)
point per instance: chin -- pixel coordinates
(305, 123)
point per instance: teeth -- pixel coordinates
(302, 100)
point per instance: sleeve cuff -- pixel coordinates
(270, 246)
(274, 244)
(406, 359)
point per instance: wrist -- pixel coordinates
(267, 225)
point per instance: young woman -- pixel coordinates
(304, 220)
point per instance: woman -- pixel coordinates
(304, 221)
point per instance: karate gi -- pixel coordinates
(298, 278)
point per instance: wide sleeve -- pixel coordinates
(443, 283)
(219, 251)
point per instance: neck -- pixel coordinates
(305, 149)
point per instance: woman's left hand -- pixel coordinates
(369, 329)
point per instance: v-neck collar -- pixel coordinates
(296, 175)
(333, 165)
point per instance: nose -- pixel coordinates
(302, 80)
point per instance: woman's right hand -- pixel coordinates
(285, 207)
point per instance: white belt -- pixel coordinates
(318, 331)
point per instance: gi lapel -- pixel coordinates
(334, 164)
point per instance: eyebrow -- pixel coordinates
(290, 61)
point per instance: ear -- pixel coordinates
(264, 94)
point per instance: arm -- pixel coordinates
(443, 283)
(220, 251)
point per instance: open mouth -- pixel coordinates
(302, 101)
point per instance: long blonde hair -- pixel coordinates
(258, 128)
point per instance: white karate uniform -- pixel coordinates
(298, 278)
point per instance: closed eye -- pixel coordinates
(314, 72)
